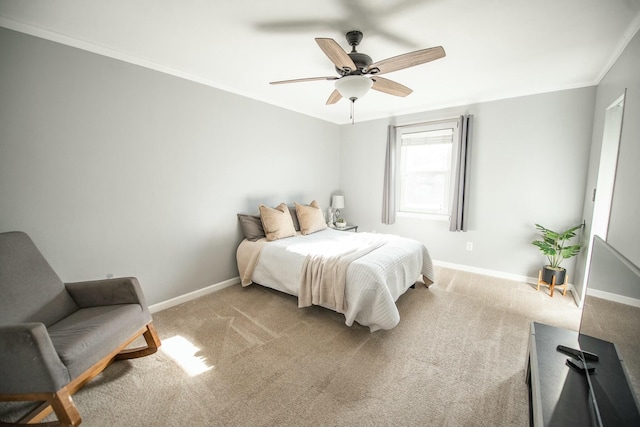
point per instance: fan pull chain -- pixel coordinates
(352, 110)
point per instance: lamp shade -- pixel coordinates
(337, 202)
(353, 87)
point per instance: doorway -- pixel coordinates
(602, 195)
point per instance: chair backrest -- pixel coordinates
(30, 291)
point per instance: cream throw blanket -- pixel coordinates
(247, 257)
(323, 276)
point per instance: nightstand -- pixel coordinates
(348, 228)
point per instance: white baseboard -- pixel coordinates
(614, 297)
(236, 280)
(534, 281)
(193, 295)
(486, 272)
(493, 273)
(500, 275)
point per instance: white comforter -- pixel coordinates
(373, 282)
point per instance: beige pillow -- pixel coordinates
(277, 223)
(310, 217)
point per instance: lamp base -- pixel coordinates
(336, 215)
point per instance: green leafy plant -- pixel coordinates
(555, 245)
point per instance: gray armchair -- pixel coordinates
(55, 337)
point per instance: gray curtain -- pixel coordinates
(460, 210)
(389, 190)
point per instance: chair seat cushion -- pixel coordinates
(86, 336)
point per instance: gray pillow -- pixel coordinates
(251, 227)
(294, 217)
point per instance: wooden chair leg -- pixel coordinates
(152, 340)
(65, 409)
(38, 414)
(59, 402)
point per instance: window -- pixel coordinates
(427, 157)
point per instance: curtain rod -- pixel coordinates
(429, 122)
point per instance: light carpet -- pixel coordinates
(457, 358)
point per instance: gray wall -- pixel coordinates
(116, 169)
(530, 157)
(624, 227)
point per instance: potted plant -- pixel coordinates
(555, 247)
(341, 223)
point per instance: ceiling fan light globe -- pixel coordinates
(353, 87)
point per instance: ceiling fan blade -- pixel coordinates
(389, 86)
(336, 54)
(307, 79)
(406, 60)
(334, 97)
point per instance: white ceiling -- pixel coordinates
(495, 48)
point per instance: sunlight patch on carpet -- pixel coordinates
(184, 353)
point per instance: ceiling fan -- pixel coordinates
(355, 68)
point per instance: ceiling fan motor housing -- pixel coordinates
(354, 37)
(361, 60)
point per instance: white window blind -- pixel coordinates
(426, 166)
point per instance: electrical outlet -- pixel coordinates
(469, 246)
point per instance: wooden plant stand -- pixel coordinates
(553, 284)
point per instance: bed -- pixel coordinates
(360, 275)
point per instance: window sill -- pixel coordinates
(415, 215)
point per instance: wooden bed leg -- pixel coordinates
(152, 340)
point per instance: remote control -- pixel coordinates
(579, 366)
(576, 353)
